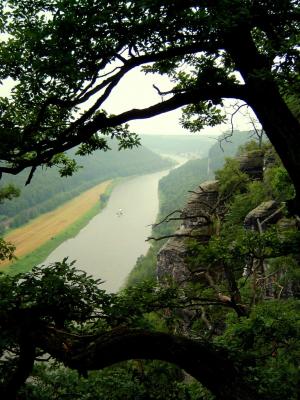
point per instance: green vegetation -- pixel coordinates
(256, 276)
(258, 323)
(35, 200)
(134, 380)
(36, 257)
(234, 327)
(173, 194)
(208, 47)
(254, 326)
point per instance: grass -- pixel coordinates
(28, 261)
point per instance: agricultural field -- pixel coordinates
(44, 228)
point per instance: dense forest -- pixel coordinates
(47, 190)
(227, 301)
(224, 309)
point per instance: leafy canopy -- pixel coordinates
(64, 59)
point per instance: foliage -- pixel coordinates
(133, 380)
(133, 307)
(173, 194)
(66, 58)
(62, 55)
(231, 179)
(8, 192)
(271, 336)
(6, 250)
(253, 145)
(238, 245)
(280, 183)
(35, 200)
(243, 203)
(60, 297)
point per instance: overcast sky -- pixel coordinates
(135, 90)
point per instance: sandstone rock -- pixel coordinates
(287, 223)
(171, 259)
(266, 213)
(200, 205)
(252, 164)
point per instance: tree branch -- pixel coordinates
(23, 370)
(212, 366)
(76, 134)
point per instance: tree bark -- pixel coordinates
(22, 371)
(282, 129)
(264, 97)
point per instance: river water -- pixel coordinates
(109, 245)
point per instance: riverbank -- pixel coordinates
(37, 239)
(109, 245)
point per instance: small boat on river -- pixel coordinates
(120, 212)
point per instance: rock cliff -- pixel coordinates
(200, 213)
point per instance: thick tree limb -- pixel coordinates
(23, 370)
(210, 365)
(69, 138)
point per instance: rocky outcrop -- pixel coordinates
(200, 205)
(171, 260)
(196, 222)
(270, 159)
(252, 164)
(264, 215)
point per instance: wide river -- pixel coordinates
(109, 245)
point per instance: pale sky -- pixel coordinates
(135, 90)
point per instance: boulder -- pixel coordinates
(252, 164)
(267, 213)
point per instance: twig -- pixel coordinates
(30, 176)
(165, 218)
(173, 91)
(182, 235)
(233, 114)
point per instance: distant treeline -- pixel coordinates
(173, 194)
(179, 144)
(48, 190)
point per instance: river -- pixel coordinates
(108, 246)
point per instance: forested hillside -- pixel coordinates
(193, 145)
(236, 314)
(48, 190)
(222, 317)
(174, 191)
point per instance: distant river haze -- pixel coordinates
(110, 244)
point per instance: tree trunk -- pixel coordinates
(263, 96)
(22, 371)
(281, 127)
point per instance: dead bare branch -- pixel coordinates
(165, 218)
